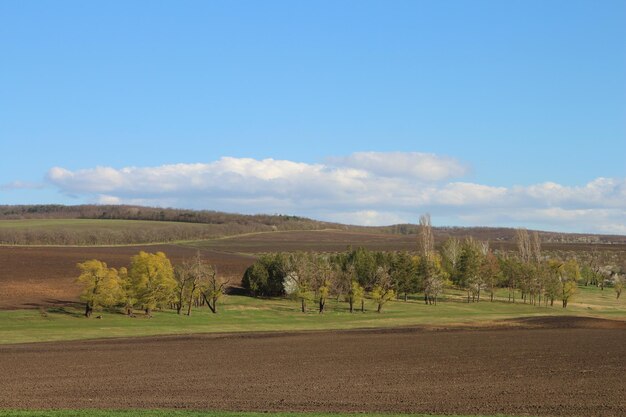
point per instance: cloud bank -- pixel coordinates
(362, 188)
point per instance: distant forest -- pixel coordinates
(207, 224)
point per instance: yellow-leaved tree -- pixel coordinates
(570, 274)
(151, 281)
(101, 285)
(383, 289)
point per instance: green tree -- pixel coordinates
(356, 295)
(403, 273)
(266, 276)
(553, 280)
(510, 268)
(365, 266)
(470, 263)
(101, 285)
(490, 270)
(152, 280)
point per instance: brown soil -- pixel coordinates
(319, 241)
(339, 240)
(556, 371)
(42, 276)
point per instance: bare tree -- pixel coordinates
(429, 270)
(425, 238)
(326, 277)
(298, 277)
(451, 252)
(618, 285)
(383, 290)
(183, 276)
(523, 245)
(214, 287)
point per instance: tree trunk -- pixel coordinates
(210, 307)
(380, 307)
(492, 296)
(213, 307)
(321, 305)
(190, 301)
(148, 311)
(406, 297)
(362, 306)
(565, 303)
(88, 310)
(351, 302)
(303, 305)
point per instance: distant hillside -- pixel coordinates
(19, 225)
(124, 212)
(114, 225)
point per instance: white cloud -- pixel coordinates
(420, 166)
(363, 188)
(21, 185)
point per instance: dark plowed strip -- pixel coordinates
(44, 276)
(540, 372)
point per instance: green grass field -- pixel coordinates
(172, 413)
(246, 314)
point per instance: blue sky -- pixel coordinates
(519, 105)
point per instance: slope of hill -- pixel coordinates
(120, 224)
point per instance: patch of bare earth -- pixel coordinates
(43, 276)
(542, 371)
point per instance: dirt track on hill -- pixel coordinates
(43, 276)
(577, 370)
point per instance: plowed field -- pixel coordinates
(547, 371)
(42, 276)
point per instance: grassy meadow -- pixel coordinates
(247, 314)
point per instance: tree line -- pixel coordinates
(469, 265)
(149, 283)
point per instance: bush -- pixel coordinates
(265, 277)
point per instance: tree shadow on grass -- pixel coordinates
(55, 306)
